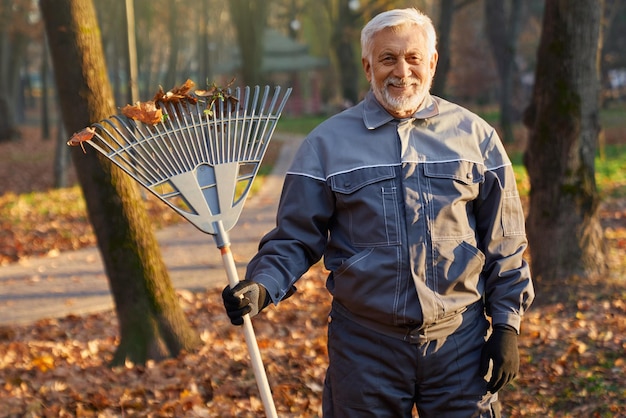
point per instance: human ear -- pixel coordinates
(367, 67)
(433, 62)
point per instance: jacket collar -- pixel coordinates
(375, 116)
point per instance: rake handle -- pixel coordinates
(251, 342)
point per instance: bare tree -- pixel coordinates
(344, 45)
(152, 323)
(447, 8)
(503, 30)
(249, 18)
(175, 44)
(613, 56)
(444, 26)
(16, 31)
(566, 238)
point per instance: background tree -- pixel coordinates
(175, 39)
(346, 19)
(503, 25)
(566, 238)
(249, 18)
(152, 324)
(16, 32)
(345, 35)
(444, 26)
(613, 56)
(447, 8)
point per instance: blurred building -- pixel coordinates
(287, 63)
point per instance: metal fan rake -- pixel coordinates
(201, 160)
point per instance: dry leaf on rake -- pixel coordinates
(215, 93)
(144, 112)
(81, 136)
(177, 94)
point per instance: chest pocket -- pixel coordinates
(451, 188)
(368, 209)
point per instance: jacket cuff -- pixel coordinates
(511, 320)
(274, 291)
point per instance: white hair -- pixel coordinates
(394, 18)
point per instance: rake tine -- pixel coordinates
(258, 140)
(198, 135)
(171, 152)
(132, 128)
(185, 140)
(186, 130)
(251, 123)
(203, 138)
(241, 124)
(214, 130)
(141, 153)
(161, 140)
(271, 119)
(175, 142)
(236, 129)
(254, 128)
(115, 152)
(224, 126)
(242, 106)
(229, 130)
(222, 154)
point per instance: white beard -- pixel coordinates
(401, 104)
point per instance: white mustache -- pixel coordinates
(401, 82)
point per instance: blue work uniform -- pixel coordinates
(420, 224)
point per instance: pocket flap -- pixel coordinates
(352, 181)
(466, 172)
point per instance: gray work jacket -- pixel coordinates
(417, 219)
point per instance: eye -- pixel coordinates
(388, 59)
(414, 59)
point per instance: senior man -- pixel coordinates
(412, 202)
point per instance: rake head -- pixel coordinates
(201, 158)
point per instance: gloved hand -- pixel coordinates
(501, 347)
(247, 297)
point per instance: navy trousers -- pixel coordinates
(374, 375)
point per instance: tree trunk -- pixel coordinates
(566, 238)
(204, 43)
(249, 18)
(12, 49)
(45, 92)
(345, 35)
(152, 323)
(503, 33)
(174, 47)
(444, 27)
(61, 165)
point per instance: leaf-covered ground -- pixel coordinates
(573, 362)
(573, 346)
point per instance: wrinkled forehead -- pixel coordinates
(405, 36)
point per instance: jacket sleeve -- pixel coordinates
(502, 238)
(299, 238)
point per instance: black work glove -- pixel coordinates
(247, 297)
(501, 347)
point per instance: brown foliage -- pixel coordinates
(573, 362)
(59, 367)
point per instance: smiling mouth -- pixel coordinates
(401, 85)
(401, 89)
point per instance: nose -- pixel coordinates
(402, 68)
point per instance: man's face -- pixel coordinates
(400, 69)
